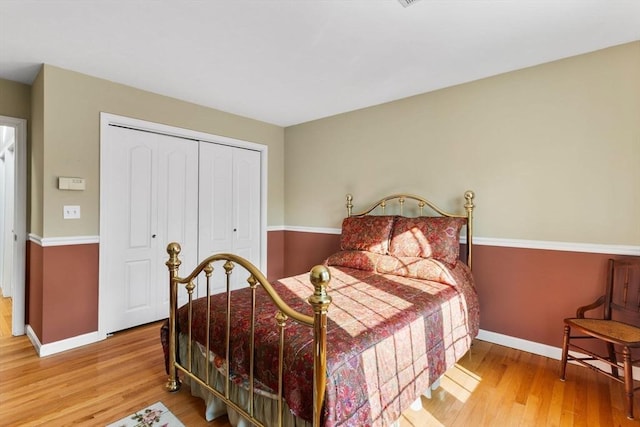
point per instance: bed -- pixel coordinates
(355, 342)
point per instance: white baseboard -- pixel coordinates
(520, 344)
(33, 338)
(541, 349)
(62, 345)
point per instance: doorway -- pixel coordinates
(13, 217)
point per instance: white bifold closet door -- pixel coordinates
(229, 211)
(151, 191)
(157, 189)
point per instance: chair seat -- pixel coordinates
(609, 330)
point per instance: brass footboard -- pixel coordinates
(319, 300)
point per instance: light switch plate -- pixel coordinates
(71, 212)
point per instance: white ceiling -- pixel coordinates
(291, 61)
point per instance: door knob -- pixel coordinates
(153, 236)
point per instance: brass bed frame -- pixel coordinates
(319, 300)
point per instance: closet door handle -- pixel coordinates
(153, 236)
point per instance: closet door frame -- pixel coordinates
(108, 119)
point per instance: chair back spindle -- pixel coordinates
(623, 292)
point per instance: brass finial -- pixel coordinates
(320, 278)
(228, 266)
(349, 204)
(173, 249)
(469, 195)
(190, 287)
(208, 269)
(281, 318)
(251, 280)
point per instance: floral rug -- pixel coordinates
(156, 415)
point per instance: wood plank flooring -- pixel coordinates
(103, 382)
(5, 316)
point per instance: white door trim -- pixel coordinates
(20, 222)
(108, 119)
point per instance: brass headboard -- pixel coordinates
(421, 203)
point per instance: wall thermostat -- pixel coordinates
(67, 183)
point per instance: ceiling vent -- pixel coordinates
(406, 3)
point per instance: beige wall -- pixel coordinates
(72, 106)
(36, 156)
(551, 151)
(15, 99)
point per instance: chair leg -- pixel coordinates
(565, 352)
(628, 381)
(613, 359)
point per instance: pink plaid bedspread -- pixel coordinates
(389, 337)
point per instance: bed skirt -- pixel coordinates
(265, 408)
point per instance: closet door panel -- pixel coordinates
(246, 204)
(140, 202)
(138, 274)
(150, 181)
(130, 197)
(215, 221)
(178, 215)
(229, 219)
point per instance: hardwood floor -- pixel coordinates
(5, 316)
(103, 382)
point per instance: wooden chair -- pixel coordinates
(618, 327)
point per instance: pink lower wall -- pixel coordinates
(62, 290)
(304, 250)
(62, 286)
(275, 255)
(71, 276)
(524, 293)
(33, 288)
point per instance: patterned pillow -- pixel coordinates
(427, 237)
(366, 233)
(419, 268)
(360, 260)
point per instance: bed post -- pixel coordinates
(173, 249)
(320, 301)
(468, 195)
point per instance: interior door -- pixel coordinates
(246, 204)
(150, 192)
(230, 207)
(15, 130)
(7, 234)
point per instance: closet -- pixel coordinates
(157, 188)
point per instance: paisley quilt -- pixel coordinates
(393, 329)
